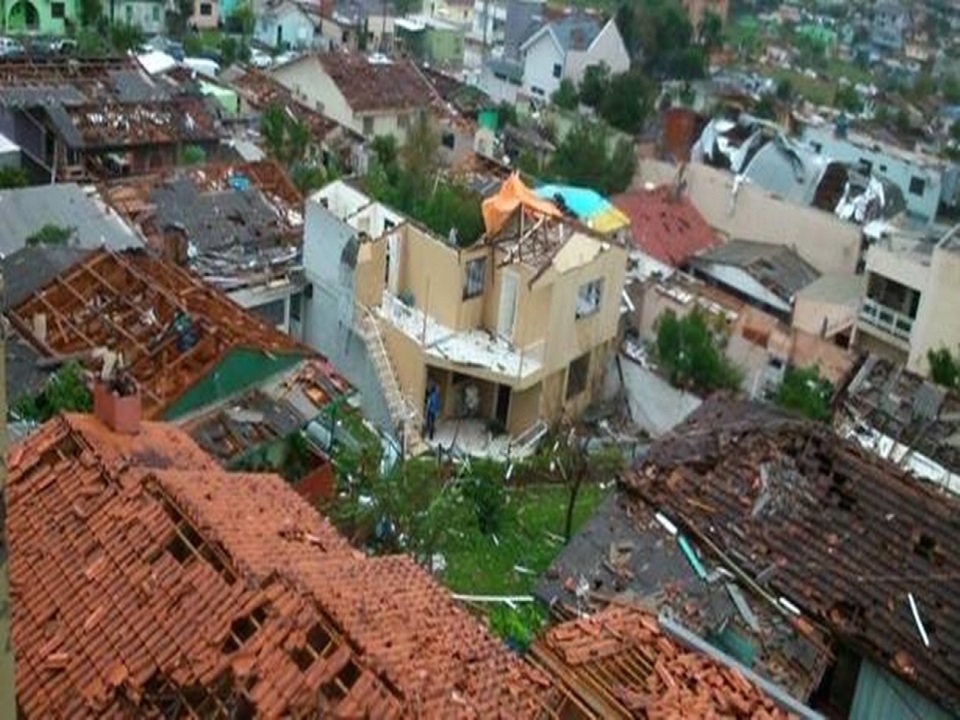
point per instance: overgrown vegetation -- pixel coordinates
(944, 367)
(690, 351)
(13, 177)
(288, 141)
(193, 155)
(587, 157)
(51, 234)
(805, 392)
(624, 101)
(409, 180)
(65, 391)
(659, 35)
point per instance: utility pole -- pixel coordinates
(8, 705)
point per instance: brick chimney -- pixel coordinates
(116, 403)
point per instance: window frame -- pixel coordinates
(557, 70)
(58, 6)
(575, 389)
(474, 281)
(584, 310)
(209, 9)
(916, 181)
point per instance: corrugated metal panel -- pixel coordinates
(881, 696)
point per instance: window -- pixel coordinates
(476, 272)
(537, 91)
(156, 13)
(577, 373)
(917, 185)
(817, 147)
(557, 70)
(368, 126)
(865, 166)
(295, 303)
(271, 313)
(206, 9)
(589, 297)
(58, 10)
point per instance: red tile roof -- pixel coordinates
(620, 663)
(143, 578)
(668, 229)
(376, 86)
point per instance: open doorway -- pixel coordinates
(503, 405)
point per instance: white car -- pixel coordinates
(260, 59)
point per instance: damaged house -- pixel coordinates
(238, 227)
(184, 343)
(514, 330)
(834, 542)
(82, 118)
(762, 154)
(147, 582)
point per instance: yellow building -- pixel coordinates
(515, 330)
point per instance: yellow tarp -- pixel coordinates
(609, 221)
(513, 194)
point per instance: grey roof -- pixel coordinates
(31, 268)
(41, 95)
(508, 68)
(64, 126)
(777, 267)
(523, 19)
(24, 211)
(134, 86)
(787, 170)
(220, 219)
(835, 288)
(575, 32)
(23, 375)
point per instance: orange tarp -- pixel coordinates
(513, 194)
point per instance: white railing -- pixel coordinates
(887, 319)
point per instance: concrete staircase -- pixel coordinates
(405, 414)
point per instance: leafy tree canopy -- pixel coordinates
(690, 351)
(65, 391)
(804, 391)
(566, 96)
(585, 157)
(944, 367)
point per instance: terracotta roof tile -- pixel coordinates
(668, 229)
(176, 582)
(376, 86)
(623, 665)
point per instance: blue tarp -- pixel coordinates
(582, 202)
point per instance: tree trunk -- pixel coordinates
(574, 491)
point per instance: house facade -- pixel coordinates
(556, 51)
(289, 24)
(515, 331)
(148, 15)
(912, 287)
(206, 14)
(430, 40)
(370, 96)
(42, 18)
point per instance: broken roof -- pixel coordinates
(370, 85)
(144, 578)
(778, 268)
(845, 537)
(666, 226)
(623, 554)
(105, 103)
(243, 222)
(623, 664)
(919, 416)
(25, 211)
(170, 327)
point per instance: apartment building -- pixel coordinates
(515, 330)
(912, 286)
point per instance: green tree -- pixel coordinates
(710, 32)
(847, 98)
(766, 108)
(51, 234)
(784, 90)
(944, 367)
(455, 207)
(90, 12)
(954, 132)
(594, 85)
(585, 157)
(690, 351)
(420, 156)
(65, 391)
(628, 101)
(565, 96)
(923, 87)
(287, 139)
(664, 38)
(243, 20)
(805, 392)
(193, 155)
(125, 37)
(951, 89)
(13, 177)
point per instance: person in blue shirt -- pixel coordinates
(433, 408)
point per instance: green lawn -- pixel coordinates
(476, 564)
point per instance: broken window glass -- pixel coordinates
(476, 272)
(589, 298)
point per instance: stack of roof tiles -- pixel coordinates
(622, 664)
(145, 582)
(846, 537)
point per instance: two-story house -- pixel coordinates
(369, 95)
(912, 287)
(514, 330)
(290, 24)
(44, 18)
(553, 52)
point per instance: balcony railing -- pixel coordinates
(887, 319)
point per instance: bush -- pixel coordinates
(487, 496)
(65, 391)
(805, 392)
(944, 367)
(691, 353)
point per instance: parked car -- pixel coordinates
(10, 47)
(260, 59)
